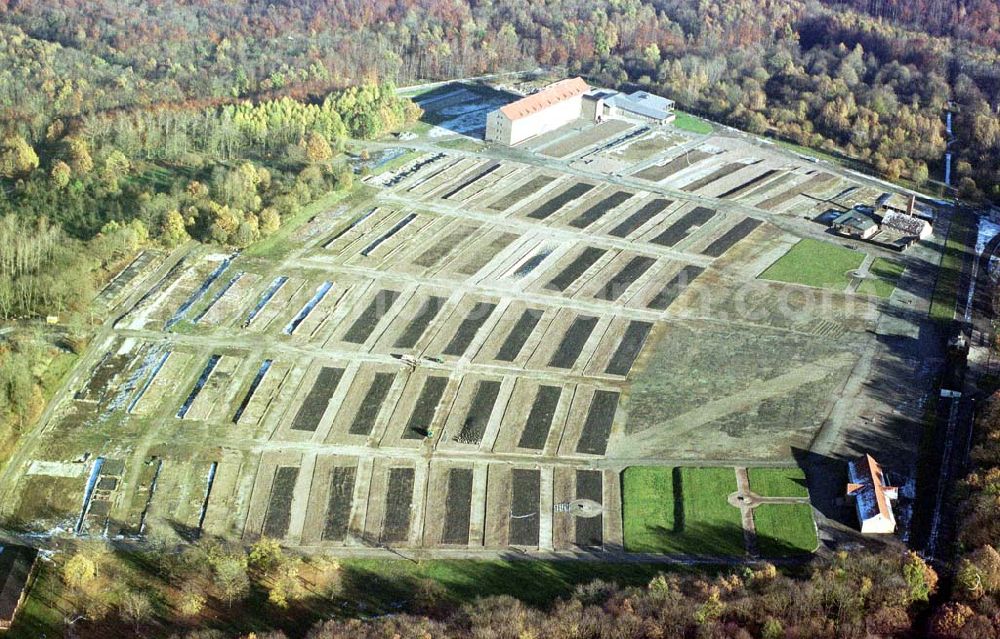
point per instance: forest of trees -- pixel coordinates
(868, 78)
(226, 174)
(210, 586)
(216, 120)
(974, 608)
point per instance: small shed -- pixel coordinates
(872, 495)
(17, 568)
(855, 224)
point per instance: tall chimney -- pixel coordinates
(913, 203)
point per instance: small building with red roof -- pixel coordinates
(872, 495)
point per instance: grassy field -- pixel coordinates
(681, 511)
(887, 274)
(688, 122)
(815, 263)
(949, 272)
(785, 529)
(778, 482)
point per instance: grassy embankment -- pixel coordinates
(950, 271)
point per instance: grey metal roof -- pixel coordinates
(643, 103)
(855, 220)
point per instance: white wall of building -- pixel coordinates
(501, 129)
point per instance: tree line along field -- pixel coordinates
(439, 362)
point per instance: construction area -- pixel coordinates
(473, 352)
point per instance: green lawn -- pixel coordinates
(681, 511)
(815, 263)
(785, 529)
(949, 272)
(887, 274)
(778, 482)
(688, 122)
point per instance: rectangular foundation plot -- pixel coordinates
(303, 313)
(475, 177)
(530, 264)
(717, 174)
(474, 426)
(746, 187)
(648, 211)
(257, 379)
(314, 405)
(590, 530)
(731, 237)
(469, 327)
(274, 306)
(339, 502)
(369, 318)
(230, 299)
(573, 341)
(683, 227)
(396, 228)
(597, 428)
(522, 330)
(557, 202)
(212, 397)
(814, 181)
(279, 505)
(619, 283)
(160, 384)
(543, 409)
(444, 246)
(398, 503)
(574, 270)
(596, 211)
(259, 402)
(371, 405)
(482, 253)
(529, 188)
(659, 172)
(524, 510)
(675, 287)
(458, 507)
(628, 349)
(418, 325)
(422, 417)
(198, 385)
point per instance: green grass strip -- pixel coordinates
(688, 122)
(785, 529)
(949, 273)
(778, 482)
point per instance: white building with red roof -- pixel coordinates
(872, 496)
(554, 106)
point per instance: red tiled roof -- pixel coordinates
(867, 482)
(552, 94)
